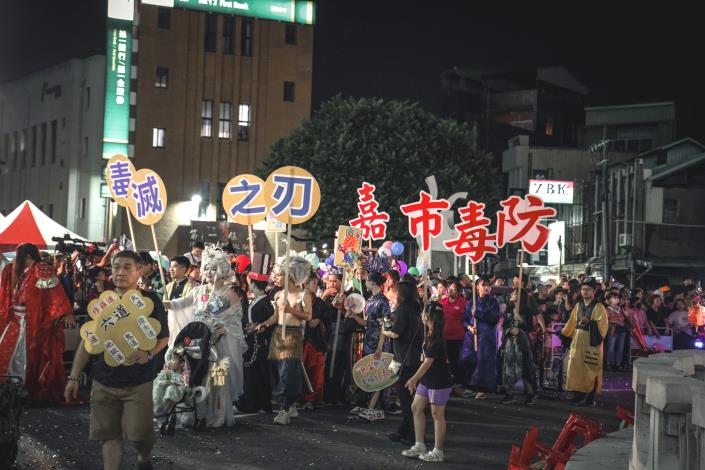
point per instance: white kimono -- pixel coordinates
(213, 309)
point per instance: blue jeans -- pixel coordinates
(615, 348)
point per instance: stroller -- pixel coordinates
(196, 345)
(11, 398)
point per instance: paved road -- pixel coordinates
(480, 436)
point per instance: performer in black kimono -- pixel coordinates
(258, 389)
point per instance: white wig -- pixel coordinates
(214, 255)
(299, 270)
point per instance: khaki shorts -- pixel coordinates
(122, 412)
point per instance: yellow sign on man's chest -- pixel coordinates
(120, 326)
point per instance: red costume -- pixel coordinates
(31, 335)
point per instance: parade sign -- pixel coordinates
(243, 199)
(292, 194)
(473, 238)
(292, 11)
(116, 121)
(372, 374)
(120, 326)
(372, 223)
(519, 222)
(147, 197)
(348, 246)
(118, 173)
(425, 218)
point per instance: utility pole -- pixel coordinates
(603, 146)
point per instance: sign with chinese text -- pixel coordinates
(348, 247)
(291, 11)
(372, 223)
(473, 239)
(147, 197)
(519, 222)
(552, 191)
(118, 173)
(292, 194)
(116, 120)
(425, 218)
(243, 199)
(372, 374)
(120, 326)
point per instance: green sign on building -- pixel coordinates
(292, 11)
(116, 123)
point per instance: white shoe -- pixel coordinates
(293, 412)
(357, 410)
(415, 451)
(282, 417)
(433, 456)
(371, 415)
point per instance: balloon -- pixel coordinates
(413, 271)
(397, 248)
(321, 273)
(313, 259)
(330, 260)
(243, 261)
(402, 267)
(388, 244)
(384, 251)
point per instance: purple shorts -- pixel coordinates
(438, 397)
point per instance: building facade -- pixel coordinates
(212, 93)
(50, 125)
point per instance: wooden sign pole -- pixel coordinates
(283, 317)
(132, 231)
(159, 258)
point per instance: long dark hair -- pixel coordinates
(407, 294)
(434, 327)
(22, 251)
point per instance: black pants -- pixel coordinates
(453, 347)
(406, 428)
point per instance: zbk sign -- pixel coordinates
(552, 191)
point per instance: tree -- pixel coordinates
(393, 145)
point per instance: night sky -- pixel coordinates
(397, 50)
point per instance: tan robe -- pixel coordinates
(585, 361)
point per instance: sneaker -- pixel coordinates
(282, 417)
(434, 456)
(415, 451)
(531, 399)
(308, 406)
(508, 400)
(393, 409)
(293, 412)
(480, 396)
(371, 415)
(357, 410)
(466, 394)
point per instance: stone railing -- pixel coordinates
(669, 419)
(669, 412)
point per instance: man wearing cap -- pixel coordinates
(587, 326)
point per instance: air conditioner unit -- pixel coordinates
(624, 239)
(578, 248)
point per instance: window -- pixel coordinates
(670, 211)
(162, 80)
(228, 35)
(226, 119)
(53, 142)
(246, 40)
(207, 118)
(44, 143)
(205, 200)
(158, 138)
(549, 127)
(290, 33)
(83, 208)
(84, 149)
(164, 18)
(632, 146)
(23, 149)
(243, 122)
(88, 97)
(289, 91)
(211, 33)
(219, 203)
(13, 151)
(34, 146)
(645, 145)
